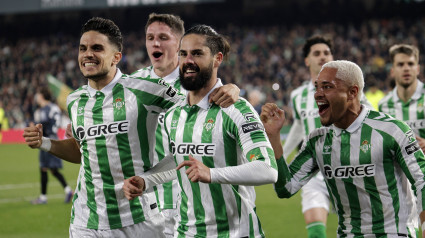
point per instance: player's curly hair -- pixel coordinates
(214, 41)
(106, 27)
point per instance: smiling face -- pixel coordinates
(162, 45)
(333, 98)
(97, 56)
(196, 62)
(405, 70)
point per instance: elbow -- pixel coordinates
(273, 176)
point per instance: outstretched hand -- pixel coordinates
(272, 118)
(197, 171)
(133, 187)
(33, 134)
(225, 95)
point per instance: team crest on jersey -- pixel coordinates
(118, 103)
(162, 82)
(327, 149)
(365, 146)
(209, 124)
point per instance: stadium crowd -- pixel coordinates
(261, 57)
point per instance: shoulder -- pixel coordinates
(76, 94)
(383, 122)
(144, 72)
(298, 91)
(386, 98)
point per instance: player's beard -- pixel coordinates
(197, 82)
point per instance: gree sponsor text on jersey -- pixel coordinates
(202, 149)
(364, 170)
(117, 127)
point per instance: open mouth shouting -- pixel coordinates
(323, 107)
(157, 55)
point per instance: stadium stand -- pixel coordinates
(264, 53)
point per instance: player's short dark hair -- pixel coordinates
(45, 92)
(317, 39)
(106, 27)
(214, 41)
(409, 50)
(175, 23)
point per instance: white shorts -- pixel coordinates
(315, 194)
(154, 228)
(171, 217)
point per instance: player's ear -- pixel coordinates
(353, 91)
(117, 58)
(218, 58)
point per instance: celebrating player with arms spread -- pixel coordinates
(362, 154)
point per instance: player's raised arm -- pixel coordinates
(65, 149)
(273, 119)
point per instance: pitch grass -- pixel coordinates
(19, 184)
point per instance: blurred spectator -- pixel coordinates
(374, 94)
(261, 56)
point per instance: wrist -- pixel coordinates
(46, 144)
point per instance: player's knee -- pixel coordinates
(316, 230)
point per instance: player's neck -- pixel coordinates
(163, 72)
(194, 97)
(405, 93)
(98, 84)
(313, 76)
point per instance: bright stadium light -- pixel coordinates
(275, 86)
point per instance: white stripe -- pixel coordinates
(27, 199)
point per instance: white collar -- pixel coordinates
(356, 123)
(108, 88)
(204, 103)
(170, 78)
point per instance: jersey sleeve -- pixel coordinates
(291, 178)
(412, 161)
(154, 91)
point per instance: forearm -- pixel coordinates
(280, 185)
(276, 145)
(67, 149)
(162, 172)
(249, 174)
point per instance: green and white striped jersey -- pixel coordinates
(218, 137)
(411, 112)
(166, 193)
(113, 126)
(363, 168)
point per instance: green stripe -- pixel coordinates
(124, 150)
(331, 184)
(216, 191)
(197, 196)
(365, 157)
(105, 171)
(405, 110)
(304, 106)
(230, 151)
(350, 188)
(79, 178)
(93, 221)
(259, 224)
(420, 114)
(389, 171)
